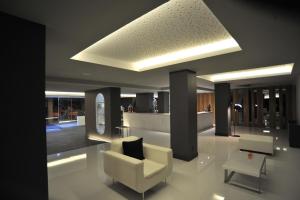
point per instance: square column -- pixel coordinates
(223, 100)
(272, 107)
(298, 99)
(23, 130)
(144, 102)
(183, 119)
(163, 102)
(112, 114)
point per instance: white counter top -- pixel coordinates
(132, 113)
(203, 112)
(161, 121)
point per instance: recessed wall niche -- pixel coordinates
(100, 113)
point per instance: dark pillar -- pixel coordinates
(222, 101)
(112, 103)
(163, 102)
(260, 98)
(291, 102)
(183, 114)
(298, 99)
(282, 115)
(23, 147)
(272, 107)
(246, 107)
(144, 102)
(253, 117)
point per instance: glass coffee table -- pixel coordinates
(240, 162)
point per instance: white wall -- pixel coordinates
(298, 99)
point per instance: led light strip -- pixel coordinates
(56, 93)
(188, 54)
(128, 95)
(285, 69)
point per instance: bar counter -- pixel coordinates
(161, 121)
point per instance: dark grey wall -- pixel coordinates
(163, 102)
(112, 103)
(222, 101)
(144, 102)
(23, 146)
(183, 114)
(298, 99)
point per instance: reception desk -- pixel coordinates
(161, 121)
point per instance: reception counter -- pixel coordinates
(161, 121)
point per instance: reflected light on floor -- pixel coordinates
(284, 149)
(66, 160)
(278, 148)
(103, 139)
(218, 197)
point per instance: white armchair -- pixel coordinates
(139, 175)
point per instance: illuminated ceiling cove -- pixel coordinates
(277, 70)
(175, 32)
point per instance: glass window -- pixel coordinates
(77, 108)
(51, 105)
(65, 109)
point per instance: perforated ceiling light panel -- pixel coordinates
(175, 32)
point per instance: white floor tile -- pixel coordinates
(201, 178)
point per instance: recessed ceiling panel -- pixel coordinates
(277, 70)
(175, 32)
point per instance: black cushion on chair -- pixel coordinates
(134, 149)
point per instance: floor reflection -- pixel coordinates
(201, 178)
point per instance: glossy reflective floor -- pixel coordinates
(67, 138)
(81, 175)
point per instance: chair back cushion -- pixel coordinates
(134, 149)
(116, 144)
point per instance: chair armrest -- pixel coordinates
(127, 170)
(158, 154)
